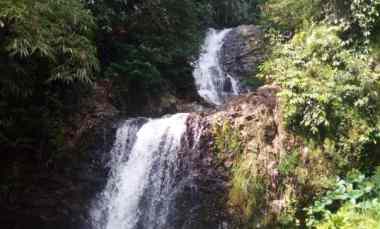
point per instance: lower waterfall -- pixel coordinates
(141, 188)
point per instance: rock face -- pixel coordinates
(249, 138)
(58, 194)
(255, 115)
(209, 183)
(55, 195)
(242, 51)
(247, 127)
(137, 102)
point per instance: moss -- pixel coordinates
(254, 82)
(268, 188)
(272, 173)
(247, 189)
(227, 143)
(288, 163)
(249, 183)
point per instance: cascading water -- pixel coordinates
(146, 188)
(143, 163)
(213, 84)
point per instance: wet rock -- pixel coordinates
(96, 110)
(56, 195)
(242, 51)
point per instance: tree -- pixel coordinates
(147, 45)
(229, 13)
(46, 48)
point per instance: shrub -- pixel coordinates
(353, 203)
(357, 17)
(47, 56)
(54, 34)
(330, 93)
(350, 216)
(291, 14)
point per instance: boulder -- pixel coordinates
(243, 51)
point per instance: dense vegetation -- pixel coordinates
(324, 54)
(47, 52)
(52, 53)
(325, 58)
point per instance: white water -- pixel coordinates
(156, 143)
(142, 185)
(209, 76)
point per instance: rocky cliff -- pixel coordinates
(58, 194)
(266, 172)
(243, 51)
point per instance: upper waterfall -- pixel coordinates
(213, 84)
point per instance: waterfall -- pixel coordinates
(213, 84)
(139, 191)
(149, 185)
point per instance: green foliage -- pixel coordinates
(353, 203)
(291, 14)
(358, 17)
(144, 43)
(327, 67)
(288, 164)
(330, 93)
(47, 51)
(350, 216)
(55, 34)
(365, 15)
(227, 139)
(228, 13)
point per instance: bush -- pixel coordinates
(291, 14)
(352, 204)
(55, 34)
(351, 216)
(330, 93)
(47, 52)
(358, 18)
(143, 43)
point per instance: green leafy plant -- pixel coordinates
(290, 14)
(289, 163)
(227, 139)
(330, 93)
(47, 52)
(353, 203)
(358, 17)
(57, 34)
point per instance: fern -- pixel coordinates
(58, 33)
